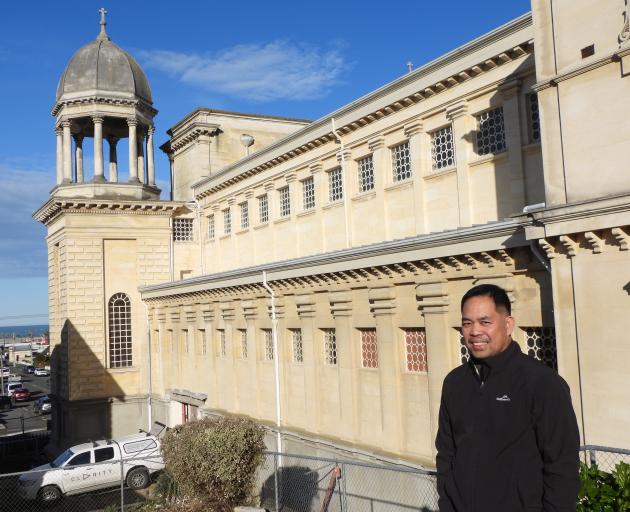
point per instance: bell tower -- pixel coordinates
(108, 235)
(104, 95)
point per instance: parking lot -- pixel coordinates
(23, 417)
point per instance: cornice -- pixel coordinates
(55, 207)
(400, 94)
(437, 253)
(96, 99)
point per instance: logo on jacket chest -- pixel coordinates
(503, 398)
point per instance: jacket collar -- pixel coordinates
(497, 363)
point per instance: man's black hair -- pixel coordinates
(496, 293)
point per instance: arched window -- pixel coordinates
(120, 348)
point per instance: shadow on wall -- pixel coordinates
(297, 487)
(82, 391)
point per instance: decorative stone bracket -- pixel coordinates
(433, 297)
(382, 300)
(306, 307)
(250, 309)
(340, 303)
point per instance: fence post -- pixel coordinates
(344, 496)
(592, 456)
(275, 480)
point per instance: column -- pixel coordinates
(133, 151)
(78, 158)
(419, 166)
(344, 159)
(383, 306)
(150, 161)
(463, 126)
(513, 141)
(433, 303)
(98, 150)
(113, 159)
(141, 170)
(59, 136)
(203, 147)
(67, 151)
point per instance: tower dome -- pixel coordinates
(104, 95)
(102, 68)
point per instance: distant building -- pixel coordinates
(503, 161)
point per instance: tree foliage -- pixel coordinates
(602, 491)
(215, 460)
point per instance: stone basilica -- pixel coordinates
(308, 274)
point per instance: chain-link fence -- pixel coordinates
(300, 483)
(605, 457)
(108, 485)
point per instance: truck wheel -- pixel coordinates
(49, 494)
(138, 478)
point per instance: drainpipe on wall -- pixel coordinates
(276, 357)
(148, 333)
(534, 243)
(343, 183)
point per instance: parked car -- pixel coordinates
(43, 405)
(22, 394)
(6, 371)
(42, 372)
(30, 369)
(14, 378)
(12, 387)
(96, 465)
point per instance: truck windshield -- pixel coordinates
(59, 461)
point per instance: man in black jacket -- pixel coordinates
(508, 438)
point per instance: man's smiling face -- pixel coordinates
(486, 330)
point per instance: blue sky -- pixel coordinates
(287, 58)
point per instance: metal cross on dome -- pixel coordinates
(103, 34)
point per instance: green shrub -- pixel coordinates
(604, 492)
(215, 460)
(166, 487)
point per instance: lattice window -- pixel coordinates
(541, 345)
(534, 117)
(263, 208)
(335, 185)
(490, 132)
(211, 231)
(222, 343)
(442, 148)
(227, 221)
(401, 162)
(268, 333)
(298, 349)
(463, 349)
(308, 193)
(285, 201)
(243, 344)
(416, 350)
(330, 347)
(369, 348)
(182, 230)
(120, 342)
(244, 215)
(366, 174)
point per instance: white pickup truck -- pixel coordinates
(95, 465)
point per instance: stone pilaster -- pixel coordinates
(341, 311)
(513, 139)
(433, 303)
(133, 151)
(463, 126)
(383, 306)
(418, 147)
(380, 160)
(99, 173)
(142, 175)
(306, 310)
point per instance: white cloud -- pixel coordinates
(258, 72)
